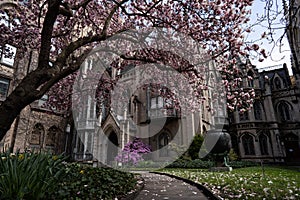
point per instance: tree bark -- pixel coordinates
(27, 91)
(24, 94)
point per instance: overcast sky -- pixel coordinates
(277, 57)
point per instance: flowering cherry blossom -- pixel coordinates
(63, 32)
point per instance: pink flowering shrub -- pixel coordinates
(133, 152)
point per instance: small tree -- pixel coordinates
(195, 146)
(133, 152)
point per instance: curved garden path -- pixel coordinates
(159, 187)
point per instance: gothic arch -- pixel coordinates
(258, 110)
(52, 134)
(248, 143)
(110, 123)
(163, 139)
(37, 135)
(264, 144)
(112, 146)
(284, 110)
(277, 83)
(250, 78)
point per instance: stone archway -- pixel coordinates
(112, 147)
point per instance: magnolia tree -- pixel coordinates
(63, 32)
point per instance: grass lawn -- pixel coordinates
(247, 183)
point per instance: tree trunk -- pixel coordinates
(24, 94)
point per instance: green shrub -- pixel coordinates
(149, 164)
(86, 182)
(191, 164)
(241, 164)
(32, 176)
(232, 155)
(29, 175)
(193, 150)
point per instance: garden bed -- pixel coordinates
(45, 176)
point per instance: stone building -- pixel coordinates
(35, 128)
(145, 116)
(270, 131)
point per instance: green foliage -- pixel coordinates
(32, 176)
(247, 183)
(28, 175)
(149, 164)
(232, 155)
(241, 164)
(86, 182)
(193, 150)
(191, 164)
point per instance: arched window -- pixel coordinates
(51, 135)
(277, 83)
(163, 140)
(257, 110)
(250, 77)
(248, 144)
(284, 111)
(37, 135)
(263, 143)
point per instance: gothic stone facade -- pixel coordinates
(144, 117)
(35, 128)
(270, 131)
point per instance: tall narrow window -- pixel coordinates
(92, 108)
(51, 135)
(4, 85)
(37, 135)
(263, 143)
(284, 111)
(250, 79)
(257, 110)
(277, 83)
(248, 144)
(163, 141)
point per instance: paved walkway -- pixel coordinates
(159, 187)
